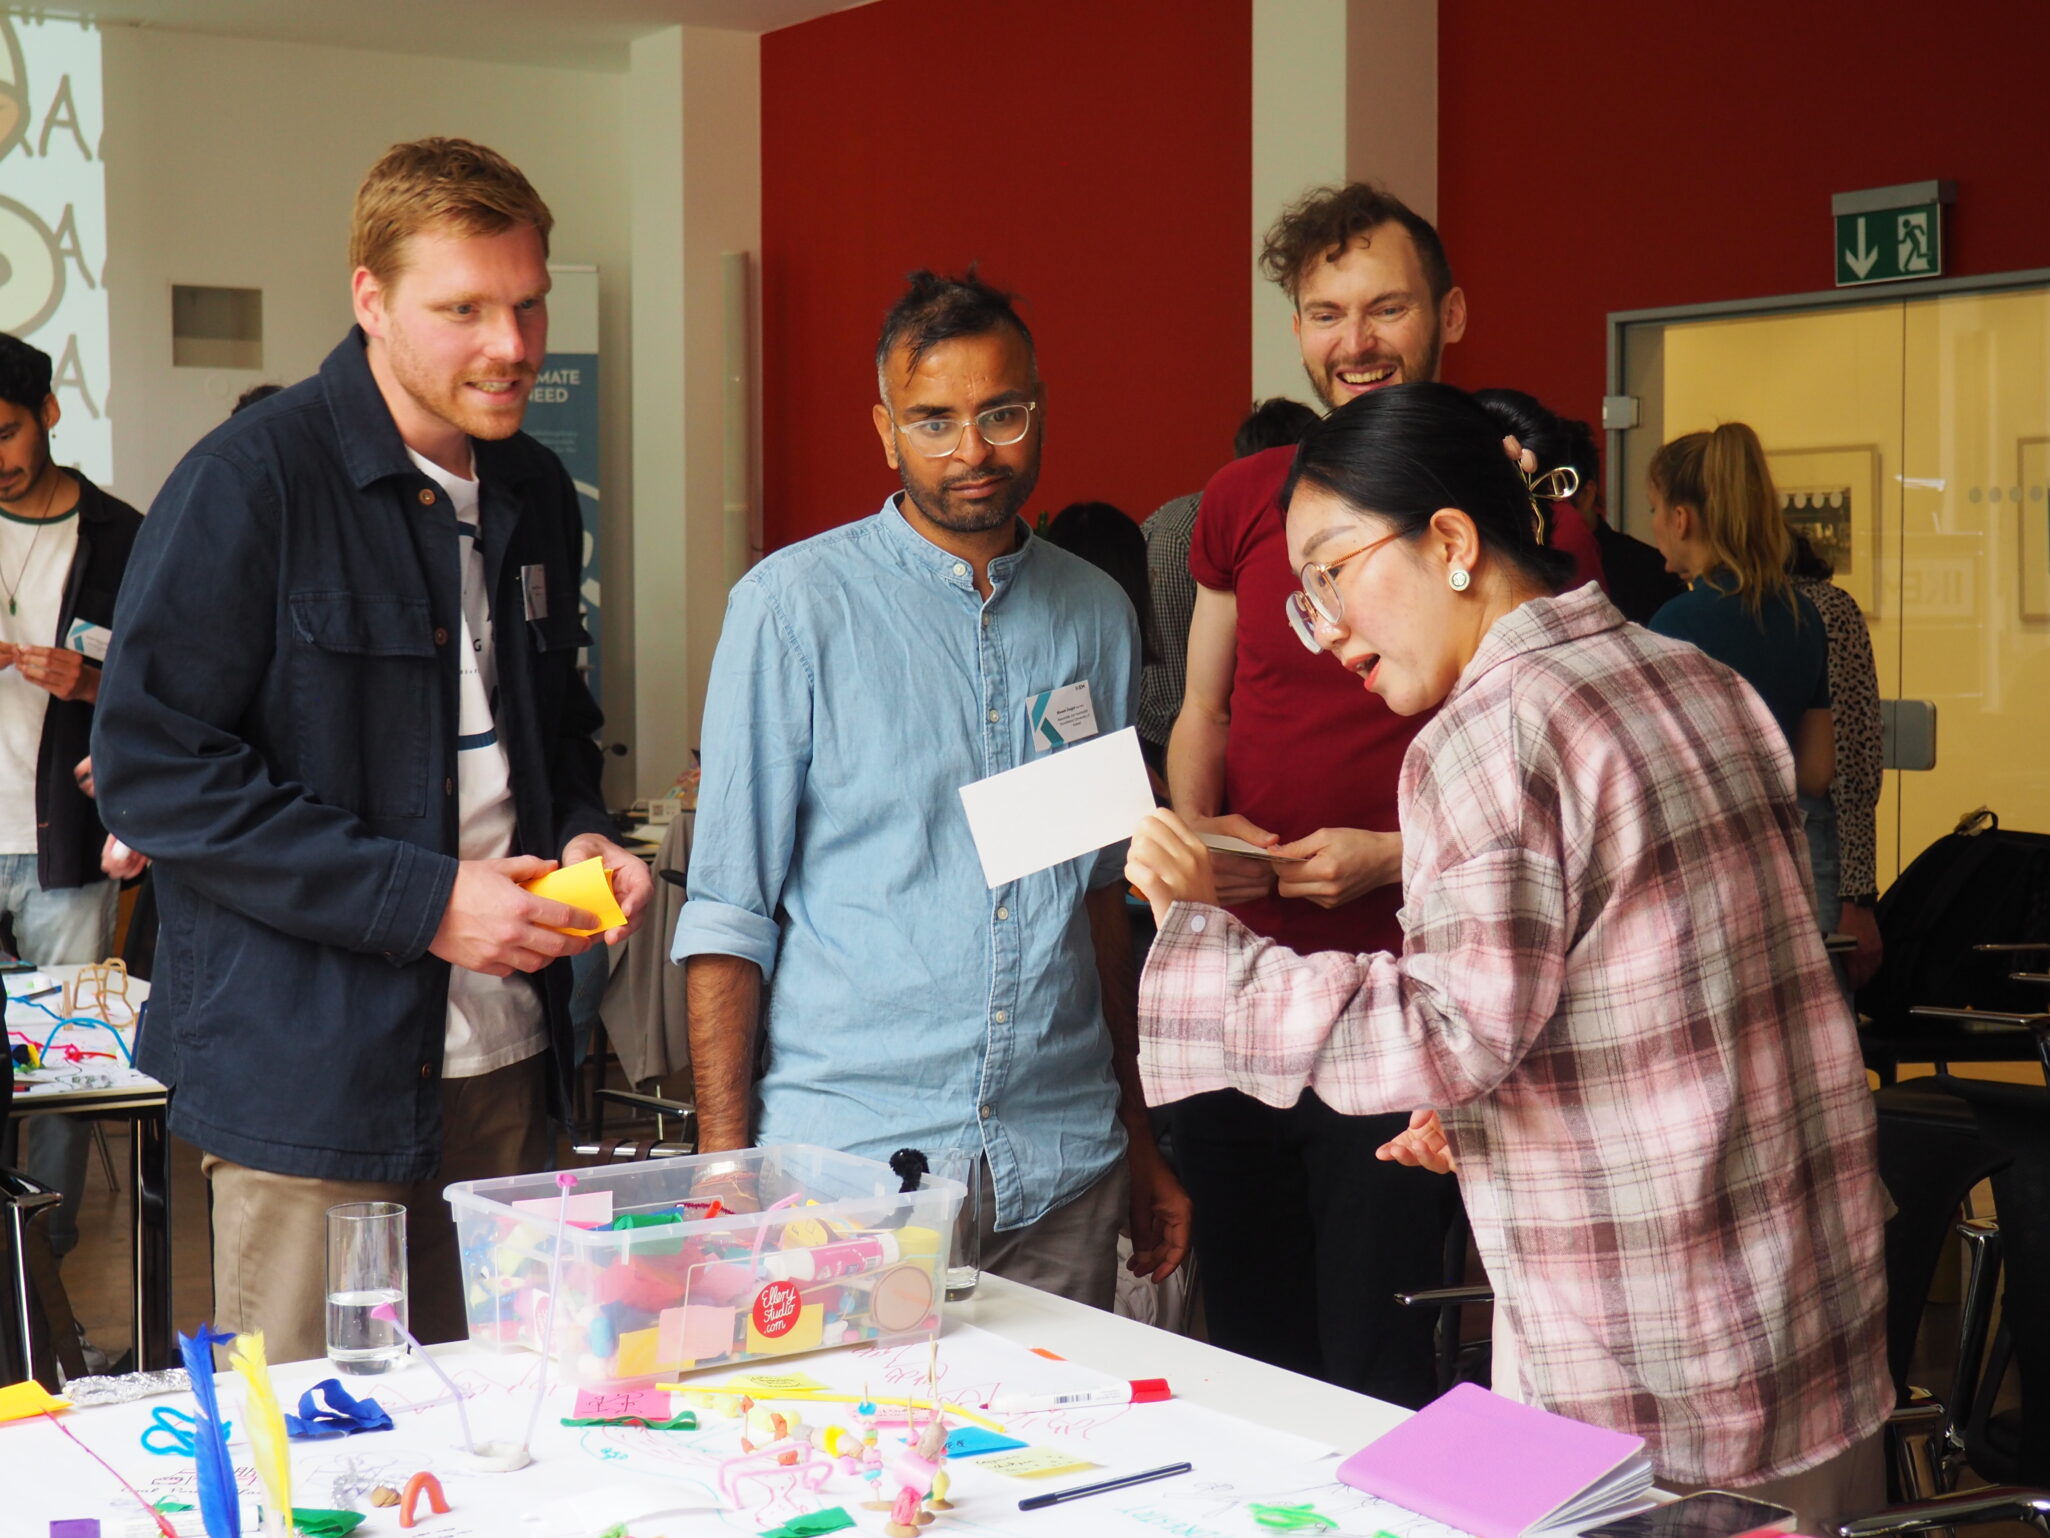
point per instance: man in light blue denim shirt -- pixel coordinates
(837, 906)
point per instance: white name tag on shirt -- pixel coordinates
(1054, 809)
(534, 582)
(88, 638)
(1061, 716)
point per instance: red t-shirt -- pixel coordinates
(1309, 747)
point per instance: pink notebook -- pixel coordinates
(1489, 1466)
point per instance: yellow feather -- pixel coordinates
(265, 1422)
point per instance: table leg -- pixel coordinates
(154, 1347)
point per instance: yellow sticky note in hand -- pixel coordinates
(583, 885)
(18, 1401)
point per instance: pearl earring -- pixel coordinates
(1461, 579)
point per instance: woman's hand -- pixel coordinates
(1422, 1145)
(1169, 864)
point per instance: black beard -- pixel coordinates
(978, 517)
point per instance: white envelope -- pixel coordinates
(1065, 804)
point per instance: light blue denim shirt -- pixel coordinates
(860, 681)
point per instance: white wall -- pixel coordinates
(696, 170)
(233, 163)
(1342, 90)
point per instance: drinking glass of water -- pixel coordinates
(964, 1269)
(366, 1268)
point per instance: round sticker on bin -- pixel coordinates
(776, 1309)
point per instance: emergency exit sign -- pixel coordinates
(1886, 234)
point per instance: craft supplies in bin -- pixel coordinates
(677, 1264)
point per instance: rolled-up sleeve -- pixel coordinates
(756, 755)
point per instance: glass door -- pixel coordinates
(1910, 439)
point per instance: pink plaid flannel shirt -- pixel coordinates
(1614, 991)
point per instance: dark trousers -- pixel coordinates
(1304, 1238)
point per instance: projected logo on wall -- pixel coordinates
(53, 220)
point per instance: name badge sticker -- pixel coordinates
(89, 639)
(1061, 716)
(534, 583)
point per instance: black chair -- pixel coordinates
(1968, 1508)
(2013, 1446)
(1919, 1031)
(1931, 1156)
(1458, 1360)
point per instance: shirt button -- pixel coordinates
(440, 636)
(426, 497)
(985, 622)
(448, 787)
(994, 716)
(1199, 923)
(1001, 1017)
(1003, 913)
(985, 1113)
(960, 570)
(426, 1070)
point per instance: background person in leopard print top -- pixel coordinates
(1843, 845)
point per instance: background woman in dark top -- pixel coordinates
(1716, 519)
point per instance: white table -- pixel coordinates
(99, 1087)
(1260, 1456)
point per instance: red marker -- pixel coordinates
(1138, 1391)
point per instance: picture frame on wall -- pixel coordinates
(1831, 495)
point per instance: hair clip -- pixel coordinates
(1557, 484)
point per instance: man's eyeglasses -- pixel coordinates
(999, 427)
(1318, 600)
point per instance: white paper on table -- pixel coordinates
(1055, 808)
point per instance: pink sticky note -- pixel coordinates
(586, 1209)
(647, 1403)
(695, 1332)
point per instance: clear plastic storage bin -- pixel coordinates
(660, 1275)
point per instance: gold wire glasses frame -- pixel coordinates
(999, 427)
(1318, 599)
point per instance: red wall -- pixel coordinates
(1595, 156)
(1093, 157)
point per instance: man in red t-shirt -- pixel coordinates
(1303, 1235)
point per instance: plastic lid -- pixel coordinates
(1150, 1390)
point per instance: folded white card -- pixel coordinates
(1057, 807)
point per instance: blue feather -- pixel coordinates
(220, 1504)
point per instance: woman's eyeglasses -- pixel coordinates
(1318, 600)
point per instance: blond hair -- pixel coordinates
(444, 185)
(1723, 476)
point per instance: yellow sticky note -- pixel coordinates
(913, 1240)
(775, 1382)
(582, 885)
(1033, 1463)
(637, 1353)
(802, 1234)
(18, 1401)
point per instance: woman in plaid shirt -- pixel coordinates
(1611, 983)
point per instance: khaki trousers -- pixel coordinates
(270, 1231)
(1072, 1251)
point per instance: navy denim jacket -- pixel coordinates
(277, 729)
